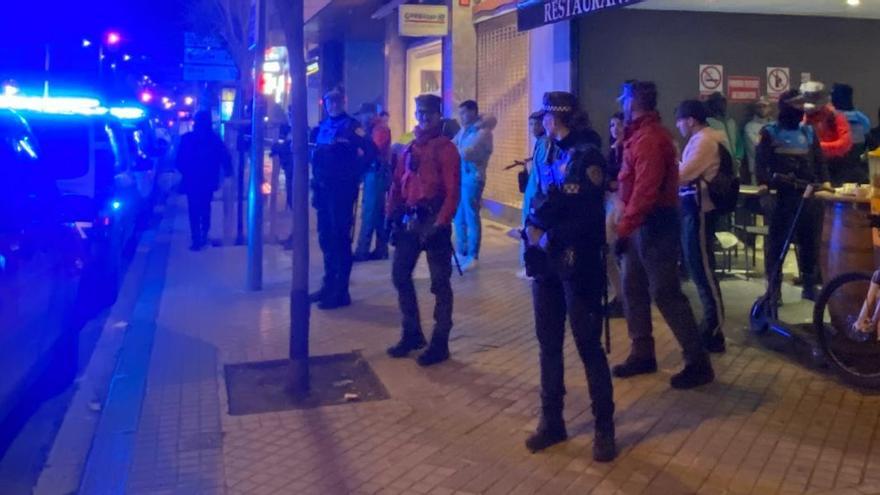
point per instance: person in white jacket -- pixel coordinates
(700, 162)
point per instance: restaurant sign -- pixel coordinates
(536, 13)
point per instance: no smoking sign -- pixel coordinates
(778, 81)
(711, 78)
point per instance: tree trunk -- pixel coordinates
(292, 22)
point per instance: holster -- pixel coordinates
(536, 261)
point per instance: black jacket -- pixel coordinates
(569, 203)
(789, 152)
(201, 159)
(341, 148)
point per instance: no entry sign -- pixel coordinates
(778, 81)
(711, 78)
(743, 88)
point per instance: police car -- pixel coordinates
(84, 147)
(41, 259)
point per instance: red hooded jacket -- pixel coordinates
(649, 175)
(429, 169)
(833, 130)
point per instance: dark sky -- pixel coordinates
(150, 28)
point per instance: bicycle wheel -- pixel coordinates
(854, 353)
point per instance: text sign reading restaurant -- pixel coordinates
(536, 13)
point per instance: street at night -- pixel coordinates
(440, 247)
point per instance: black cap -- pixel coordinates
(335, 92)
(560, 102)
(842, 96)
(433, 102)
(694, 109)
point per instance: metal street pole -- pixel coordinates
(255, 193)
(300, 309)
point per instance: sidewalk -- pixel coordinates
(766, 426)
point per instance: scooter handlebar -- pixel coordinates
(800, 183)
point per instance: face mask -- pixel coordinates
(790, 117)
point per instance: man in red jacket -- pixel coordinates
(649, 242)
(424, 194)
(832, 128)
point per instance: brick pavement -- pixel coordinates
(766, 426)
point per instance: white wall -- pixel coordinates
(550, 62)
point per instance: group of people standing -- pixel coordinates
(354, 151)
(625, 217)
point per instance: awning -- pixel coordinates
(536, 13)
(386, 10)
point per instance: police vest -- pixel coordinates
(793, 150)
(857, 126)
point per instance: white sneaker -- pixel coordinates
(521, 274)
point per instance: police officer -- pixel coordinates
(565, 235)
(789, 147)
(340, 151)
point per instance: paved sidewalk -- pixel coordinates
(767, 426)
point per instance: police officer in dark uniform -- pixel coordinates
(341, 149)
(565, 235)
(791, 148)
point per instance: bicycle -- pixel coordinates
(846, 318)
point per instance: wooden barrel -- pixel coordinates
(847, 246)
(847, 243)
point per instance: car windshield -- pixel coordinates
(64, 145)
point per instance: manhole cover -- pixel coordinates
(335, 379)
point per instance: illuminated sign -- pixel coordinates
(536, 13)
(423, 20)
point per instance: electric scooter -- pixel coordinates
(764, 314)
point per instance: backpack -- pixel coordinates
(724, 187)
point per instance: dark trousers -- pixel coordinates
(580, 299)
(650, 272)
(438, 249)
(335, 214)
(373, 213)
(199, 205)
(697, 242)
(807, 234)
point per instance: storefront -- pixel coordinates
(424, 69)
(503, 92)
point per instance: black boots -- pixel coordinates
(604, 446)
(551, 430)
(635, 366)
(335, 301)
(714, 342)
(406, 345)
(693, 375)
(436, 353)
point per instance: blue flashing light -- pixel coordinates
(127, 113)
(54, 105)
(116, 205)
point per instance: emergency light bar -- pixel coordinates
(68, 106)
(57, 105)
(127, 113)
